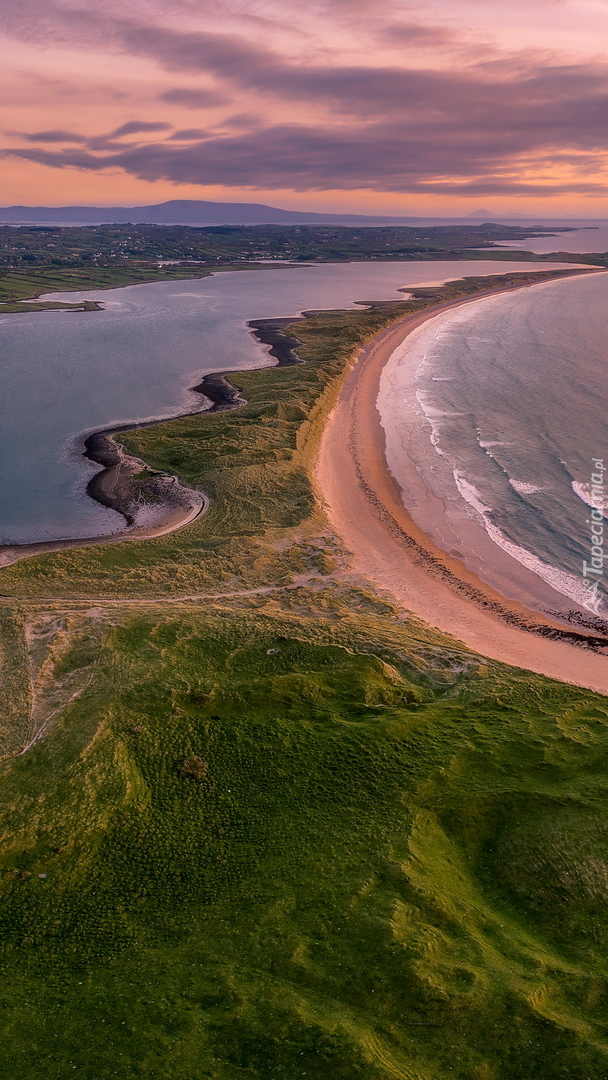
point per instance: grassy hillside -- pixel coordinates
(282, 844)
(286, 833)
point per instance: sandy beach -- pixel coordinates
(365, 505)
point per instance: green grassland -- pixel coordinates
(291, 833)
(18, 285)
(394, 865)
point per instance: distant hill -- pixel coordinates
(180, 212)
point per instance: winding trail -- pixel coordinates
(69, 602)
(364, 505)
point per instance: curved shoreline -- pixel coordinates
(364, 504)
(151, 502)
(151, 507)
(166, 503)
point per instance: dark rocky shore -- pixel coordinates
(282, 345)
(113, 486)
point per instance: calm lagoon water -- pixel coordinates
(593, 238)
(66, 373)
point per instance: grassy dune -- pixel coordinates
(391, 861)
(294, 833)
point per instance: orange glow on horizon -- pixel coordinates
(405, 111)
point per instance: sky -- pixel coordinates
(354, 106)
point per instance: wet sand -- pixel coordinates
(365, 505)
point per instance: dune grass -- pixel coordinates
(394, 862)
(15, 683)
(286, 834)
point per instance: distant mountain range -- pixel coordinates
(181, 212)
(198, 212)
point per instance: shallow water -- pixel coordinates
(589, 238)
(512, 393)
(65, 373)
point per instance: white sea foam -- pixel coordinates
(560, 580)
(431, 411)
(524, 488)
(563, 582)
(433, 416)
(453, 348)
(487, 444)
(584, 493)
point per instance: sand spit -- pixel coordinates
(364, 503)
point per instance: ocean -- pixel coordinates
(502, 407)
(65, 374)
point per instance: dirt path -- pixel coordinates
(69, 602)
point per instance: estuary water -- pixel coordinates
(65, 373)
(502, 405)
(588, 236)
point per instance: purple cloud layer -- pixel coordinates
(193, 98)
(497, 126)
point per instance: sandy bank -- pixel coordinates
(364, 504)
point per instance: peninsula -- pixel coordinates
(256, 804)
